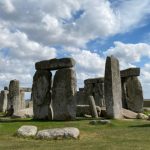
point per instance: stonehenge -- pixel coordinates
(54, 100)
(54, 94)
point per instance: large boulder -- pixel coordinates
(3, 100)
(54, 64)
(130, 72)
(41, 95)
(27, 131)
(134, 94)
(59, 133)
(112, 88)
(128, 114)
(63, 95)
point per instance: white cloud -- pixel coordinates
(7, 6)
(129, 53)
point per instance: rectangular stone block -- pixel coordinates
(63, 95)
(94, 80)
(130, 72)
(112, 88)
(54, 64)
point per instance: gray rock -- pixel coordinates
(94, 87)
(128, 114)
(82, 110)
(27, 131)
(94, 80)
(142, 116)
(92, 107)
(130, 72)
(14, 96)
(134, 94)
(112, 88)
(41, 95)
(96, 122)
(3, 100)
(24, 113)
(59, 133)
(63, 95)
(54, 64)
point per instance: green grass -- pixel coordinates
(120, 135)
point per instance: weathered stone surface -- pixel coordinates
(3, 100)
(82, 110)
(41, 95)
(25, 113)
(128, 114)
(134, 94)
(63, 95)
(59, 133)
(23, 89)
(142, 116)
(130, 72)
(94, 87)
(113, 92)
(92, 107)
(54, 64)
(27, 131)
(14, 96)
(22, 100)
(94, 80)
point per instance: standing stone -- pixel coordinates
(63, 95)
(41, 95)
(134, 94)
(3, 100)
(112, 88)
(14, 96)
(93, 107)
(95, 87)
(22, 100)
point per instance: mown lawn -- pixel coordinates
(120, 135)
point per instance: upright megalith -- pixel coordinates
(134, 94)
(112, 88)
(14, 96)
(63, 94)
(41, 94)
(95, 87)
(3, 100)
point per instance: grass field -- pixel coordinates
(120, 135)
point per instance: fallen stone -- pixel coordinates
(112, 88)
(54, 64)
(24, 113)
(130, 72)
(142, 116)
(27, 131)
(92, 107)
(128, 114)
(82, 110)
(59, 133)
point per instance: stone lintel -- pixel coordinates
(54, 64)
(130, 72)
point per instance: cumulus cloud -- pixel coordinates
(129, 53)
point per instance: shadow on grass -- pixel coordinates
(11, 120)
(140, 126)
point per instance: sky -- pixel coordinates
(86, 30)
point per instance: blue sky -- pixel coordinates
(86, 30)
